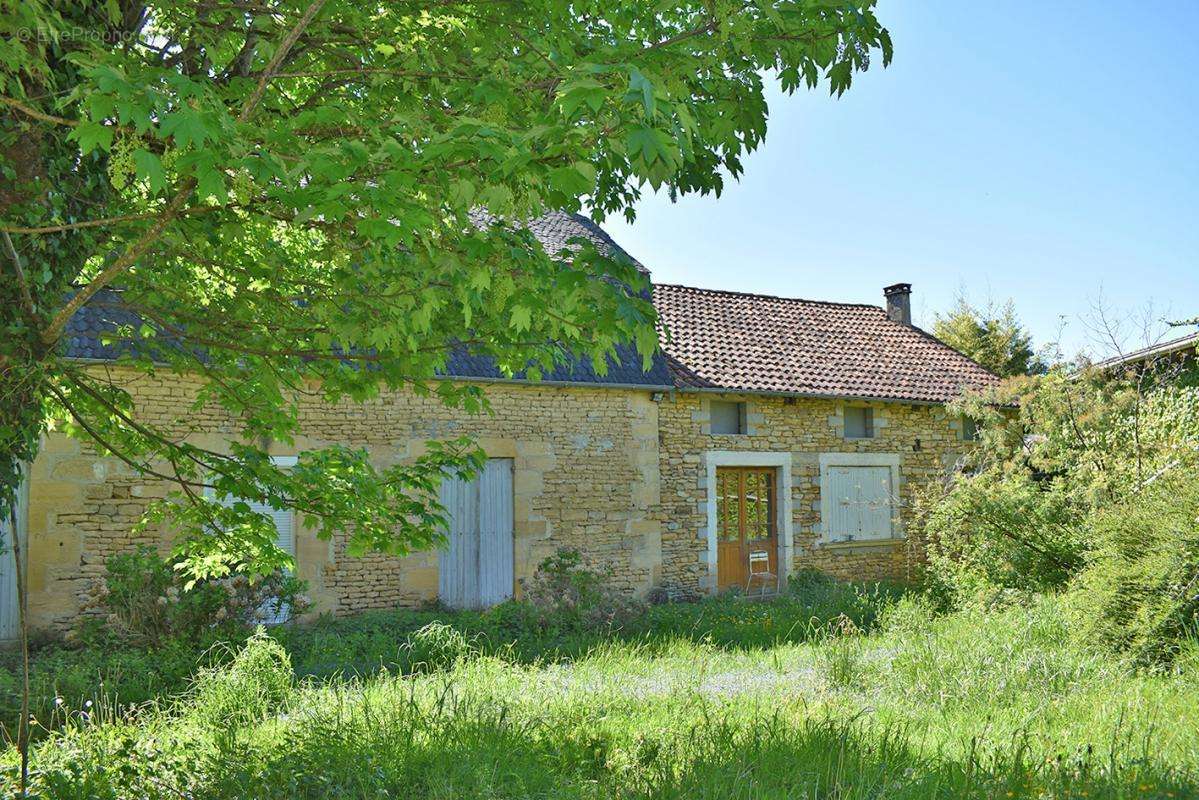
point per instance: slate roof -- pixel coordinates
(757, 343)
(554, 231)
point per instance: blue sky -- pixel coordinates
(1043, 152)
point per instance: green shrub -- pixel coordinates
(146, 600)
(1000, 531)
(436, 646)
(1140, 592)
(568, 596)
(256, 683)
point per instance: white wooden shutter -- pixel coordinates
(876, 508)
(861, 505)
(285, 540)
(9, 610)
(475, 568)
(285, 535)
(458, 562)
(495, 532)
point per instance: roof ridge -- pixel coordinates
(736, 293)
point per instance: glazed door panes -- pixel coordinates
(745, 521)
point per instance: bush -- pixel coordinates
(1140, 592)
(147, 600)
(993, 531)
(436, 646)
(255, 684)
(568, 596)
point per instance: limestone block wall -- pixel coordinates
(586, 476)
(618, 474)
(926, 439)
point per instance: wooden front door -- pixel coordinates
(745, 522)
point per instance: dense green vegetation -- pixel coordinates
(1085, 486)
(969, 704)
(1052, 652)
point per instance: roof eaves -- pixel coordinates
(810, 395)
(1163, 348)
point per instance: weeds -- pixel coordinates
(887, 699)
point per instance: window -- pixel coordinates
(272, 612)
(859, 422)
(969, 429)
(861, 503)
(727, 417)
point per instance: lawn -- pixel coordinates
(997, 704)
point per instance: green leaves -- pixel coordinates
(149, 167)
(334, 244)
(91, 135)
(641, 89)
(575, 180)
(187, 127)
(581, 93)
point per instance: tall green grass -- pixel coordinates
(962, 706)
(110, 672)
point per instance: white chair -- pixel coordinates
(759, 570)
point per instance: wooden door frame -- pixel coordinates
(784, 527)
(744, 536)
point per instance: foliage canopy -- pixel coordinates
(324, 197)
(992, 336)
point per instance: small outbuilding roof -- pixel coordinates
(1154, 351)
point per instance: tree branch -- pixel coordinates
(29, 111)
(26, 297)
(175, 207)
(277, 59)
(125, 261)
(99, 223)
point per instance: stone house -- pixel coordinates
(783, 432)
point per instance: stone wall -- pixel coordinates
(615, 473)
(585, 476)
(926, 440)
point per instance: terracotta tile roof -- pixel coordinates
(757, 343)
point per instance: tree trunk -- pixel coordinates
(23, 621)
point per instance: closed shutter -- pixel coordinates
(475, 568)
(861, 505)
(876, 509)
(285, 540)
(10, 625)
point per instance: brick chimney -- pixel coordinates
(899, 302)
